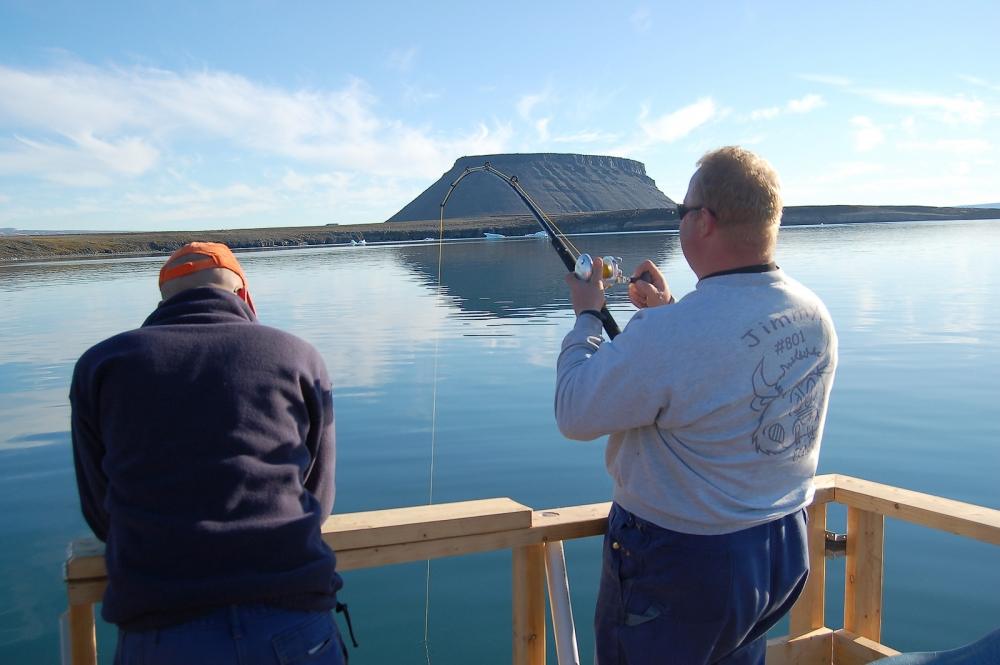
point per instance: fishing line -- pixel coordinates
(430, 483)
(569, 255)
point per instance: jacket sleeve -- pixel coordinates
(605, 387)
(88, 452)
(321, 440)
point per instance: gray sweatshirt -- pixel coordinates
(715, 405)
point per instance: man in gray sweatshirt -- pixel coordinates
(714, 405)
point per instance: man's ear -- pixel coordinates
(707, 224)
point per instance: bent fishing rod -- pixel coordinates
(581, 264)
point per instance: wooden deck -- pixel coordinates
(384, 537)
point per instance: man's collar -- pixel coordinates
(760, 267)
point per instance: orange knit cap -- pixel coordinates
(205, 256)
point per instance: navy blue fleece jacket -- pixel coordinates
(204, 450)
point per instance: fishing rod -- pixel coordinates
(581, 264)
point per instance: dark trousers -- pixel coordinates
(673, 598)
(238, 635)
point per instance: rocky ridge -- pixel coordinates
(558, 184)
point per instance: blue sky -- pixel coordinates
(143, 116)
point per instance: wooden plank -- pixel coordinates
(963, 519)
(528, 605)
(555, 524)
(82, 635)
(813, 648)
(87, 575)
(419, 523)
(84, 559)
(825, 486)
(808, 613)
(552, 524)
(851, 649)
(571, 522)
(863, 573)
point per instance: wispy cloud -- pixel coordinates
(81, 160)
(294, 198)
(414, 95)
(765, 114)
(542, 128)
(876, 183)
(805, 104)
(980, 82)
(954, 109)
(97, 127)
(867, 136)
(670, 127)
(666, 127)
(299, 182)
(527, 103)
(200, 212)
(116, 116)
(526, 107)
(25, 214)
(303, 198)
(802, 105)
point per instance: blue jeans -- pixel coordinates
(669, 597)
(241, 635)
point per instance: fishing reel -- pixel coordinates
(613, 273)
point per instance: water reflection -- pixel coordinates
(898, 284)
(521, 278)
(40, 275)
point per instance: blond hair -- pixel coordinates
(743, 191)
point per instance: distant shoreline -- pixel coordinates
(25, 248)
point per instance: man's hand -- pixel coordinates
(589, 294)
(652, 293)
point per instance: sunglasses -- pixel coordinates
(683, 210)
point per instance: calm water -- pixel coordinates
(917, 307)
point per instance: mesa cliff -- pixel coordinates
(558, 183)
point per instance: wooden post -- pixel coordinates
(529, 604)
(808, 612)
(863, 575)
(82, 635)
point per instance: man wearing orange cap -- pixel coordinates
(204, 449)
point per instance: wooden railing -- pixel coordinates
(384, 537)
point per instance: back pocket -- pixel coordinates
(307, 641)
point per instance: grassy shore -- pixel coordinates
(35, 248)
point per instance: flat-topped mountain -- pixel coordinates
(558, 183)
